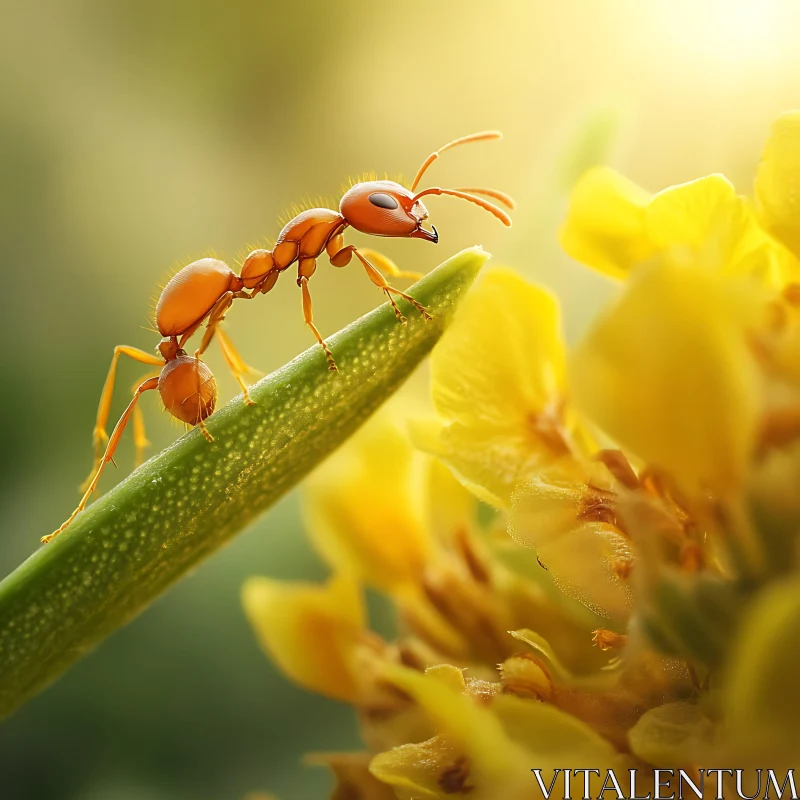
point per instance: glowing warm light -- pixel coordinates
(729, 32)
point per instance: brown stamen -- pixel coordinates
(453, 779)
(608, 640)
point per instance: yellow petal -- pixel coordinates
(495, 766)
(667, 373)
(690, 212)
(364, 508)
(431, 770)
(707, 221)
(315, 634)
(777, 184)
(585, 557)
(498, 380)
(552, 737)
(495, 739)
(511, 330)
(490, 464)
(672, 735)
(605, 225)
(449, 506)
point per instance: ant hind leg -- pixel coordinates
(116, 435)
(100, 437)
(140, 441)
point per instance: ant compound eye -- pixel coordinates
(383, 200)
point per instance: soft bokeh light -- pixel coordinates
(728, 35)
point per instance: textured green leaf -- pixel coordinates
(185, 503)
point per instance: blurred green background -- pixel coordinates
(136, 136)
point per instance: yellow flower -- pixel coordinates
(703, 222)
(645, 609)
(571, 522)
(667, 372)
(511, 437)
(498, 383)
(486, 742)
(605, 226)
(316, 634)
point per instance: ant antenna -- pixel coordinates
(505, 199)
(473, 137)
(479, 201)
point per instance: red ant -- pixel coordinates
(203, 291)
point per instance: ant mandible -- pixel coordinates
(203, 292)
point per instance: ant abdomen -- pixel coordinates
(188, 389)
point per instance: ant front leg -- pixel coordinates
(305, 270)
(343, 256)
(387, 266)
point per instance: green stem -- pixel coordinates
(185, 503)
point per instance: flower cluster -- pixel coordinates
(593, 555)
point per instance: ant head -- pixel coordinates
(385, 208)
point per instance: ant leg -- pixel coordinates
(223, 301)
(140, 441)
(220, 309)
(150, 383)
(235, 362)
(388, 266)
(304, 271)
(343, 257)
(205, 431)
(215, 316)
(335, 247)
(270, 279)
(139, 435)
(100, 437)
(229, 352)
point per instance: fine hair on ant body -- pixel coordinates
(203, 292)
